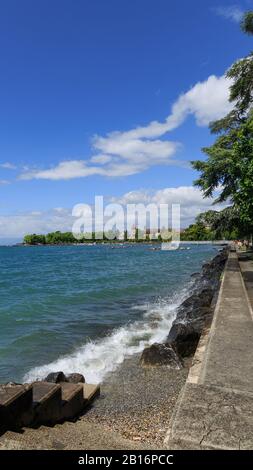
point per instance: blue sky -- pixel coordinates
(74, 72)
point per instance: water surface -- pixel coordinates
(84, 308)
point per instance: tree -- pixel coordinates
(34, 239)
(228, 225)
(196, 232)
(247, 23)
(241, 90)
(243, 155)
(207, 218)
(228, 168)
(59, 238)
(216, 225)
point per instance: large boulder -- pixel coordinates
(75, 378)
(198, 318)
(196, 300)
(56, 377)
(195, 275)
(195, 311)
(205, 296)
(161, 355)
(190, 302)
(184, 339)
(213, 268)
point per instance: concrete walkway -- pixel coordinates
(215, 408)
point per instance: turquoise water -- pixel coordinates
(84, 308)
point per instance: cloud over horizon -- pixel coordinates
(190, 199)
(125, 153)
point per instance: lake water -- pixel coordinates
(85, 308)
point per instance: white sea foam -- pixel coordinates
(96, 359)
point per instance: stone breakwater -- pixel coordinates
(56, 399)
(192, 316)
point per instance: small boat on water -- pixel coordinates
(169, 246)
(172, 246)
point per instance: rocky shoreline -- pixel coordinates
(137, 400)
(192, 316)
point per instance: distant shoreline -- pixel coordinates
(92, 243)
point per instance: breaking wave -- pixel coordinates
(95, 359)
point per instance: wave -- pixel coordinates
(96, 359)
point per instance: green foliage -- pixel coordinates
(241, 90)
(207, 218)
(241, 73)
(66, 238)
(53, 238)
(34, 239)
(196, 232)
(59, 238)
(228, 169)
(227, 224)
(247, 23)
(216, 225)
(243, 154)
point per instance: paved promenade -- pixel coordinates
(215, 408)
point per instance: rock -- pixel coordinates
(195, 275)
(56, 377)
(184, 339)
(213, 268)
(201, 299)
(193, 313)
(205, 296)
(190, 302)
(75, 378)
(206, 265)
(11, 384)
(160, 355)
(198, 314)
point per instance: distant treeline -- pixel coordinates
(53, 238)
(208, 226)
(67, 238)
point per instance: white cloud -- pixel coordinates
(65, 170)
(8, 166)
(2, 182)
(130, 152)
(100, 158)
(232, 12)
(60, 218)
(207, 101)
(35, 222)
(190, 199)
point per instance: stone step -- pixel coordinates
(90, 391)
(47, 402)
(43, 402)
(15, 405)
(72, 400)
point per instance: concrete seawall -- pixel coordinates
(215, 407)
